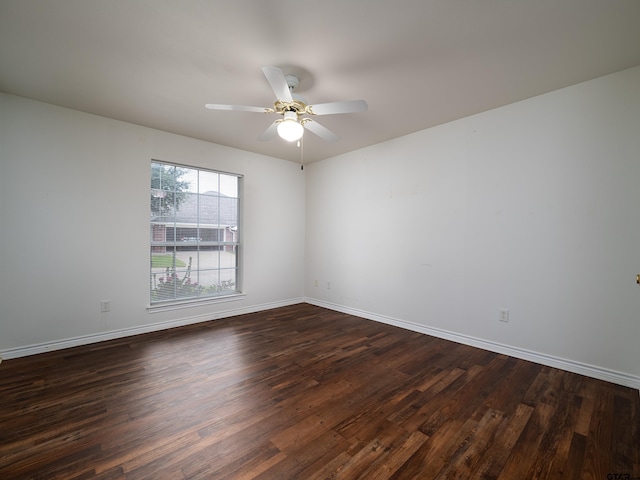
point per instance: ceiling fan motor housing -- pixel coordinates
(296, 106)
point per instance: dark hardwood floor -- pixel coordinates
(302, 392)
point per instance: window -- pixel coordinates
(194, 233)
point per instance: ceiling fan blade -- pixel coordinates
(278, 83)
(338, 107)
(237, 108)
(270, 132)
(319, 130)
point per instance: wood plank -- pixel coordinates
(306, 392)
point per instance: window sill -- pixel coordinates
(196, 302)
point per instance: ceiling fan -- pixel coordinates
(296, 114)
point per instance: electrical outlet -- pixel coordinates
(105, 306)
(328, 285)
(315, 284)
(503, 315)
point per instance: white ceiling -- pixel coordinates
(418, 63)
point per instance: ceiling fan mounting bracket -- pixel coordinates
(292, 81)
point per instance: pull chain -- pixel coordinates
(301, 146)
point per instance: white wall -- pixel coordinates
(74, 211)
(533, 207)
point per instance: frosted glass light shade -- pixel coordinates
(289, 128)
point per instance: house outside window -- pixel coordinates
(194, 234)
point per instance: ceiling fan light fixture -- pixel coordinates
(293, 109)
(289, 128)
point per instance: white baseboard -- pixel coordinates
(126, 332)
(612, 376)
(543, 359)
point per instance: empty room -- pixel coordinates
(319, 240)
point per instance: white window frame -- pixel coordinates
(172, 225)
